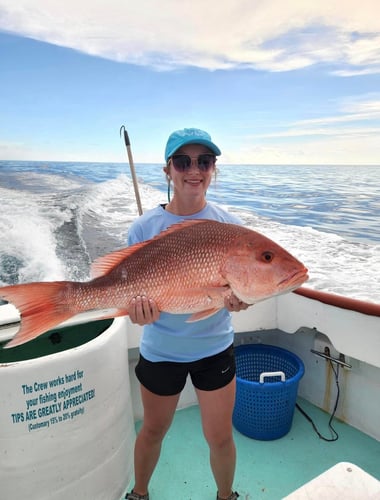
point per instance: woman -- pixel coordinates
(170, 347)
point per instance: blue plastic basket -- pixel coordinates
(264, 410)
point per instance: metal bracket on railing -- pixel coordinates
(331, 358)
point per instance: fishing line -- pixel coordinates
(334, 434)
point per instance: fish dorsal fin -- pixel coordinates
(104, 265)
(182, 225)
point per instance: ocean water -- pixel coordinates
(57, 217)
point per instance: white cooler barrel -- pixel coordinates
(66, 422)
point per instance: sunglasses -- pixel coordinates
(182, 163)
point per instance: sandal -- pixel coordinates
(234, 495)
(135, 496)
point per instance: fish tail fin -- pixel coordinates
(41, 307)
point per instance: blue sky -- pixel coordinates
(273, 81)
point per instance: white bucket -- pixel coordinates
(66, 422)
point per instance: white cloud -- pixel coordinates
(352, 150)
(269, 35)
(346, 131)
(358, 109)
(351, 136)
(274, 35)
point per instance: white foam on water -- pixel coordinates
(108, 210)
(28, 238)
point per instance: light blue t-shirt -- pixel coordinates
(171, 338)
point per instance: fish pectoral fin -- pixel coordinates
(203, 314)
(218, 290)
(212, 292)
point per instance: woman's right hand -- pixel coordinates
(143, 311)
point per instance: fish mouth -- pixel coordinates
(295, 280)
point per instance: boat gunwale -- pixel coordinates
(361, 306)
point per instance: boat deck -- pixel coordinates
(266, 470)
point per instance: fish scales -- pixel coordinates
(189, 268)
(163, 270)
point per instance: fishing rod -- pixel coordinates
(132, 168)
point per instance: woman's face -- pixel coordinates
(194, 182)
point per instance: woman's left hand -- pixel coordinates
(233, 304)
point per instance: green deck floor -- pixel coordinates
(266, 470)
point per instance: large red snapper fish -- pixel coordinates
(188, 268)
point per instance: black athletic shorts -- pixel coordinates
(166, 378)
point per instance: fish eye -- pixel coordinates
(267, 256)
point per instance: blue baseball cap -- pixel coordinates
(189, 136)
